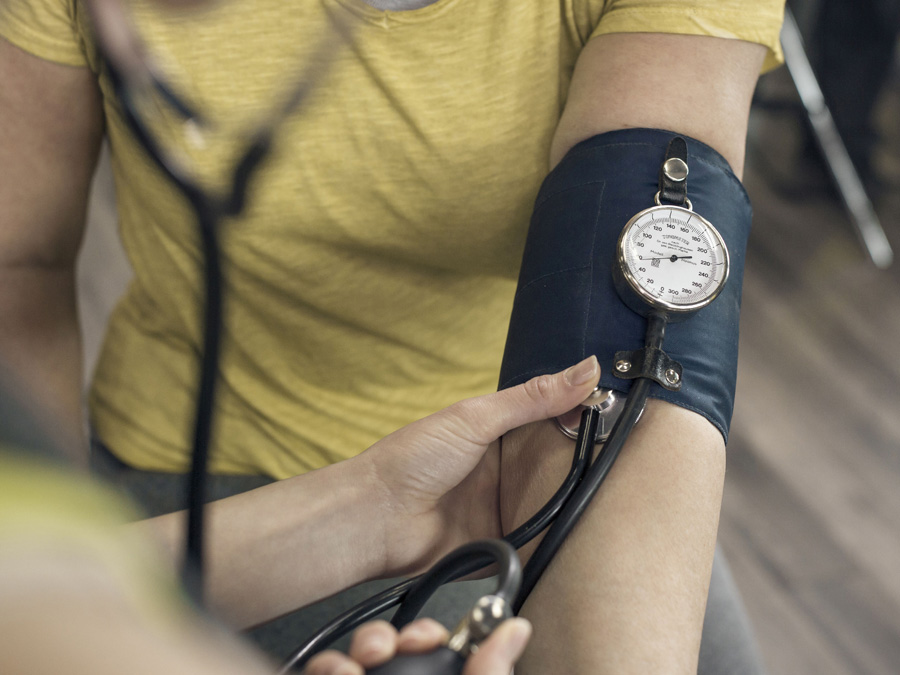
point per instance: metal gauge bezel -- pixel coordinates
(642, 293)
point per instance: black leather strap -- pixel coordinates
(672, 183)
(649, 362)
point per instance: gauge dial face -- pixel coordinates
(673, 258)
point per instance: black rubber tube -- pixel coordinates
(209, 212)
(393, 596)
(194, 555)
(576, 505)
(476, 554)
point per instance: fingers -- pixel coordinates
(542, 397)
(498, 654)
(376, 642)
(332, 662)
(373, 643)
(422, 636)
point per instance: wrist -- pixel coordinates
(360, 516)
(403, 532)
(292, 542)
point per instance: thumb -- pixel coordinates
(498, 654)
(492, 415)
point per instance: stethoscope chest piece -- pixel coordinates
(608, 403)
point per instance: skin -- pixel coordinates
(417, 479)
(395, 509)
(649, 535)
(377, 641)
(630, 584)
(49, 142)
(94, 630)
(622, 80)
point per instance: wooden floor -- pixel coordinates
(811, 519)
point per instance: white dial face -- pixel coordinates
(673, 258)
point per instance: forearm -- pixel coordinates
(629, 586)
(285, 545)
(394, 509)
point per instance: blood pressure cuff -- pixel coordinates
(566, 306)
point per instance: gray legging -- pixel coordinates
(728, 646)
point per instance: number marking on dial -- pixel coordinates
(674, 256)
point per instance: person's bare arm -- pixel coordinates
(393, 510)
(697, 86)
(49, 139)
(67, 613)
(627, 592)
(83, 593)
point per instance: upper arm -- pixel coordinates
(49, 140)
(51, 126)
(694, 85)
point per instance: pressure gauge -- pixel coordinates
(670, 259)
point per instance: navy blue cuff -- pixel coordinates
(566, 306)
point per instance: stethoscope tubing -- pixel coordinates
(562, 511)
(395, 595)
(577, 504)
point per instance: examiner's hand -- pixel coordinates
(439, 476)
(377, 642)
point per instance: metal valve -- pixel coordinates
(488, 613)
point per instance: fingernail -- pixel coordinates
(582, 373)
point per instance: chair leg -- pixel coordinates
(834, 150)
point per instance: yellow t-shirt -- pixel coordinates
(369, 282)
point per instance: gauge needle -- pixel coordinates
(673, 258)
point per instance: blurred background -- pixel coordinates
(811, 516)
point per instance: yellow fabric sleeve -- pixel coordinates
(52, 520)
(44, 28)
(758, 22)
